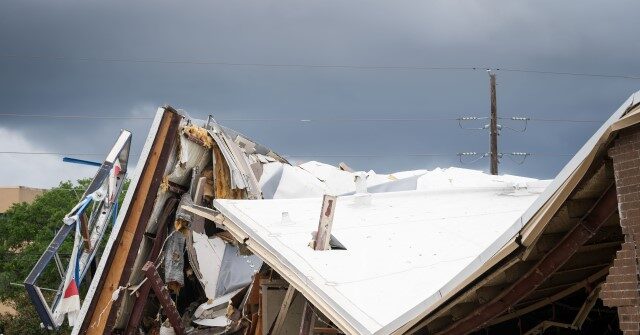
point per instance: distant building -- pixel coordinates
(14, 194)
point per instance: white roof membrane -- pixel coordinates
(401, 248)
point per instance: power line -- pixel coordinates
(516, 157)
(370, 155)
(54, 153)
(566, 120)
(314, 66)
(124, 117)
(92, 117)
(289, 156)
(427, 119)
(574, 74)
(423, 119)
(225, 63)
(296, 155)
(550, 154)
(494, 130)
(408, 155)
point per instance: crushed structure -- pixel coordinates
(219, 234)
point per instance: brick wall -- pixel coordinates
(621, 288)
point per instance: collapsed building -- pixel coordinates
(219, 234)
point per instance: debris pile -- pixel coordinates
(196, 270)
(221, 235)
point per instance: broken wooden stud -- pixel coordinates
(163, 296)
(326, 330)
(197, 222)
(344, 167)
(143, 291)
(84, 231)
(323, 236)
(308, 320)
(284, 309)
(586, 308)
(175, 188)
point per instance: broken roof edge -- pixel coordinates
(309, 290)
(116, 230)
(231, 133)
(496, 252)
(531, 223)
(568, 178)
(260, 148)
(94, 295)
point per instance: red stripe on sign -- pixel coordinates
(72, 289)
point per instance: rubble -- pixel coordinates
(210, 163)
(222, 235)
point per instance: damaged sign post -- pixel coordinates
(102, 197)
(322, 238)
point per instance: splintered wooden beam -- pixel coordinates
(284, 309)
(344, 167)
(326, 330)
(163, 296)
(207, 213)
(101, 312)
(143, 291)
(84, 231)
(197, 223)
(322, 243)
(591, 280)
(586, 308)
(308, 320)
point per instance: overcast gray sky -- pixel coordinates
(566, 36)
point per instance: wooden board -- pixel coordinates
(101, 312)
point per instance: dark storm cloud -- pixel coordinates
(571, 36)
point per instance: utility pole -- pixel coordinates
(494, 130)
(493, 127)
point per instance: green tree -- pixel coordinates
(25, 232)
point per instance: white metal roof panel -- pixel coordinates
(401, 249)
